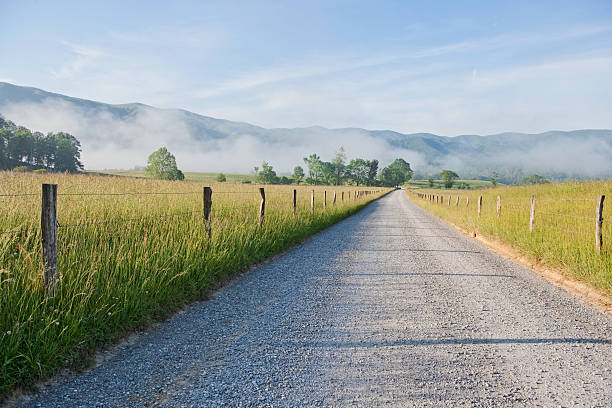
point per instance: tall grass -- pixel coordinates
(564, 230)
(118, 276)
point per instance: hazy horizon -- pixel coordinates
(443, 68)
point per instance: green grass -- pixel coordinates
(189, 176)
(118, 277)
(564, 232)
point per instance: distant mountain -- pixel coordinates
(123, 135)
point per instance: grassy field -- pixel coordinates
(473, 184)
(564, 230)
(130, 251)
(189, 176)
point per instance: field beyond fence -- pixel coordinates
(566, 226)
(131, 251)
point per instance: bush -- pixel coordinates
(221, 178)
(41, 171)
(245, 181)
(21, 169)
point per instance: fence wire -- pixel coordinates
(20, 195)
(15, 231)
(565, 215)
(126, 220)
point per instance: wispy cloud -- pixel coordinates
(81, 57)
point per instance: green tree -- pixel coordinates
(221, 178)
(372, 172)
(328, 172)
(358, 171)
(397, 173)
(448, 177)
(314, 167)
(67, 153)
(494, 178)
(162, 165)
(267, 175)
(534, 179)
(339, 166)
(430, 182)
(298, 174)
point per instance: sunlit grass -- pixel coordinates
(564, 230)
(119, 276)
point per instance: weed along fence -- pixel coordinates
(50, 217)
(566, 225)
(86, 258)
(596, 220)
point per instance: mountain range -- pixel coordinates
(121, 136)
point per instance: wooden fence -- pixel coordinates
(49, 223)
(597, 226)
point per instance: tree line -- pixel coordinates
(23, 149)
(338, 171)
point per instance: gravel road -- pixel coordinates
(390, 307)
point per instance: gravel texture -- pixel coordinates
(390, 307)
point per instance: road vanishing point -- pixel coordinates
(390, 307)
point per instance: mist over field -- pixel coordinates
(122, 137)
(113, 141)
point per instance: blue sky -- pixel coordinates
(443, 67)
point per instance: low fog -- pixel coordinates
(122, 137)
(111, 142)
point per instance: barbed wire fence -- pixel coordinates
(591, 224)
(50, 223)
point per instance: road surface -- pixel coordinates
(390, 307)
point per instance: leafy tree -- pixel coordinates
(372, 172)
(396, 173)
(56, 151)
(221, 178)
(430, 182)
(339, 166)
(68, 152)
(298, 174)
(284, 180)
(534, 179)
(494, 178)
(328, 172)
(358, 171)
(448, 177)
(267, 175)
(162, 165)
(314, 167)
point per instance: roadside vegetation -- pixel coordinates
(564, 228)
(130, 251)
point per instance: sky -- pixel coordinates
(445, 67)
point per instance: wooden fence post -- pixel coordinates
(207, 205)
(334, 197)
(598, 223)
(312, 202)
(479, 204)
(48, 228)
(457, 202)
(262, 206)
(532, 213)
(467, 202)
(449, 197)
(342, 197)
(498, 206)
(324, 200)
(294, 201)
